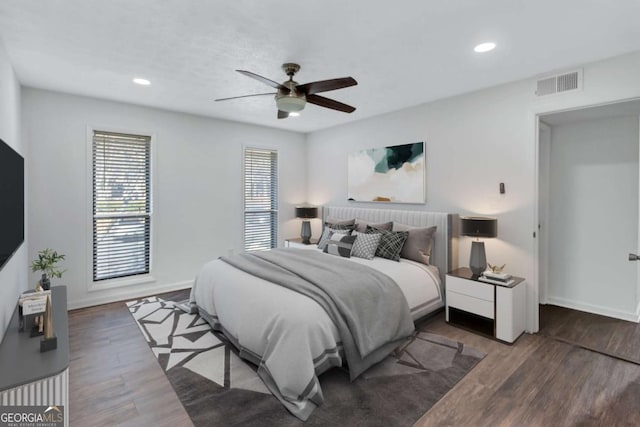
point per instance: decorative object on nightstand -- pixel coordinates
(496, 269)
(476, 226)
(306, 213)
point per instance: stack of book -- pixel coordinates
(31, 304)
(496, 278)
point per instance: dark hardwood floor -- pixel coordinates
(546, 379)
(114, 378)
(610, 336)
(543, 380)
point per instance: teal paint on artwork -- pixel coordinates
(394, 157)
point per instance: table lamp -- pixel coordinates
(476, 226)
(306, 213)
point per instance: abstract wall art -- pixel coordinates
(394, 174)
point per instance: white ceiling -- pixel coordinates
(402, 53)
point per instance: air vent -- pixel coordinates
(559, 83)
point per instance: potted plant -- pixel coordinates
(47, 263)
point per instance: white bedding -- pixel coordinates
(249, 309)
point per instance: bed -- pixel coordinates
(294, 336)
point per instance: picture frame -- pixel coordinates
(391, 174)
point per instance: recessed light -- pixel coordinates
(141, 81)
(484, 47)
(294, 114)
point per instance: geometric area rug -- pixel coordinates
(218, 388)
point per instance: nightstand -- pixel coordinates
(297, 243)
(498, 311)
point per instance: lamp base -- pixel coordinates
(305, 233)
(478, 258)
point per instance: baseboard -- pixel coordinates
(128, 295)
(595, 309)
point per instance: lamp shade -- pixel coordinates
(477, 226)
(306, 212)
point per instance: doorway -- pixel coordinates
(588, 209)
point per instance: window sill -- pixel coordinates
(121, 282)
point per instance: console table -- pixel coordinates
(29, 377)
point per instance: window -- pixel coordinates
(260, 199)
(121, 205)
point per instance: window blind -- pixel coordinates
(121, 205)
(260, 199)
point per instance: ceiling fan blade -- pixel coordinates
(282, 114)
(264, 80)
(245, 96)
(326, 85)
(330, 103)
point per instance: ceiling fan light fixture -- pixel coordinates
(291, 104)
(294, 114)
(291, 97)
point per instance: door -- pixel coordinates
(589, 218)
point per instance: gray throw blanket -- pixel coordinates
(368, 308)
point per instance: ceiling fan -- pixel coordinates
(291, 97)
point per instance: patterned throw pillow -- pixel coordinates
(328, 229)
(391, 242)
(348, 227)
(332, 222)
(340, 244)
(365, 245)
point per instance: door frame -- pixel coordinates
(534, 312)
(542, 226)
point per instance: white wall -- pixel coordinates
(593, 215)
(197, 178)
(13, 276)
(474, 142)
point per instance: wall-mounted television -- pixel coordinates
(11, 202)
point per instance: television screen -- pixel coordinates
(11, 202)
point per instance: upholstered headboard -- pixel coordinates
(444, 254)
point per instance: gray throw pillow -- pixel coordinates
(391, 242)
(419, 243)
(365, 245)
(361, 225)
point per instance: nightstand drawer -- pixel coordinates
(470, 288)
(470, 304)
